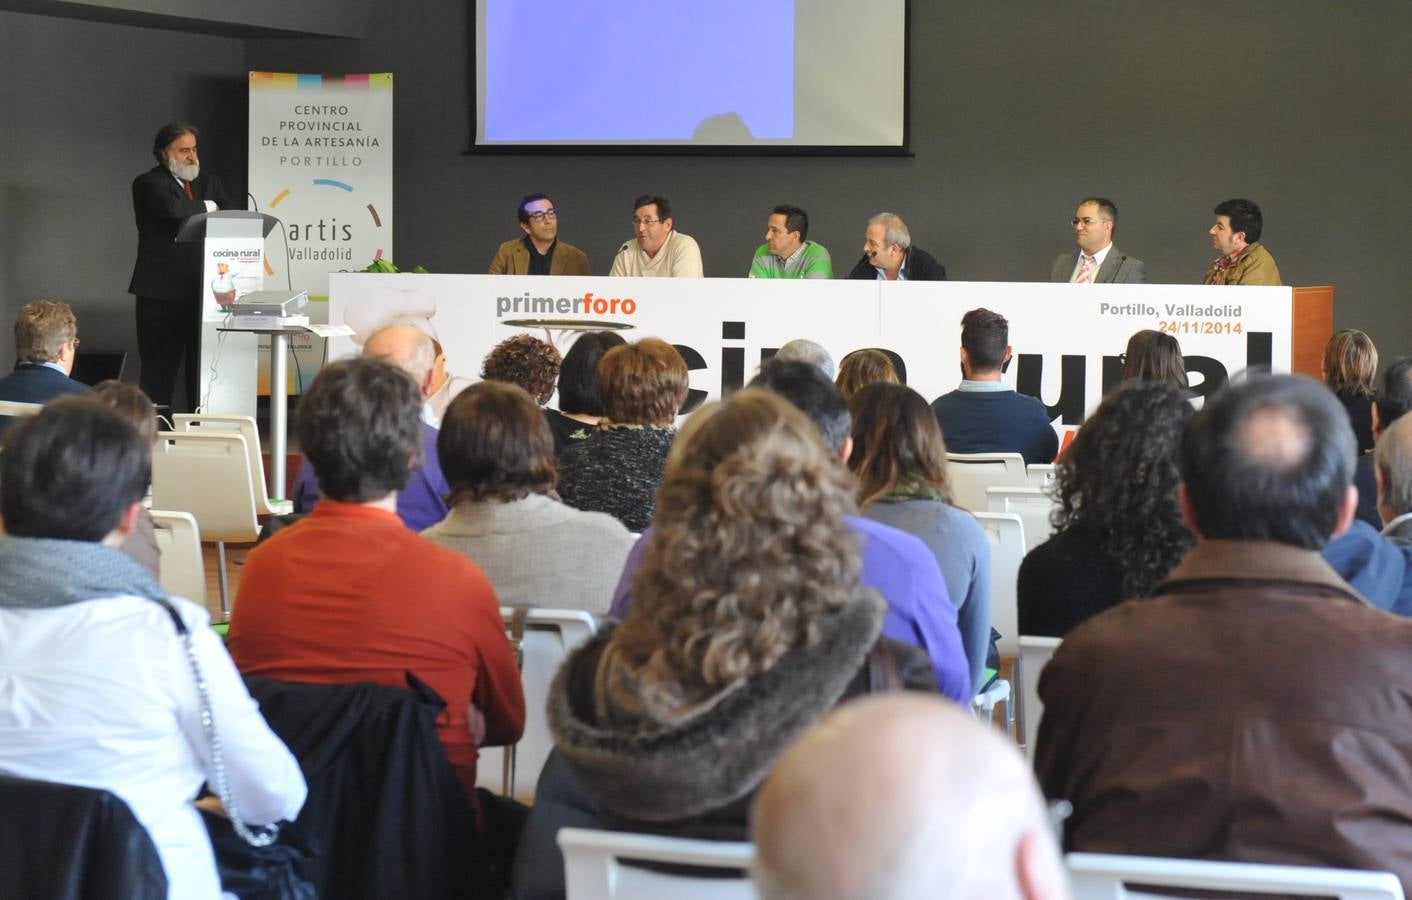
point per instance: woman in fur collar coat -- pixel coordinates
(748, 625)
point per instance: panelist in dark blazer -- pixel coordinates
(888, 254)
(46, 339)
(1097, 261)
(167, 275)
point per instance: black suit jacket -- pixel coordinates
(920, 266)
(166, 270)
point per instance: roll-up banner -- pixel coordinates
(320, 162)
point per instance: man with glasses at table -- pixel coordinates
(1097, 260)
(659, 251)
(539, 252)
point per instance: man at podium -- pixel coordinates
(167, 276)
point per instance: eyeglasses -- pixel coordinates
(637, 222)
(1087, 221)
(75, 343)
(542, 215)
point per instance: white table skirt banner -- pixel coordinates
(1066, 338)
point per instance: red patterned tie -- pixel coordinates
(187, 186)
(1085, 271)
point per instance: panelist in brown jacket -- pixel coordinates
(1256, 708)
(539, 252)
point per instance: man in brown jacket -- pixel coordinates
(1236, 236)
(1255, 708)
(539, 252)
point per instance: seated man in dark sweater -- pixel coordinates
(984, 415)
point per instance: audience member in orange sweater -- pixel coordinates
(349, 594)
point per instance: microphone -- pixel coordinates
(253, 201)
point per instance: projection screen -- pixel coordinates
(785, 75)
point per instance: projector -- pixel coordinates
(269, 304)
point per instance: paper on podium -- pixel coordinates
(328, 331)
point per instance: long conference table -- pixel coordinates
(1066, 338)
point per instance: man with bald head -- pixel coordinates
(944, 808)
(1255, 708)
(422, 502)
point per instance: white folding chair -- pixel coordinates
(245, 426)
(972, 473)
(207, 475)
(1007, 547)
(1035, 653)
(1104, 876)
(984, 703)
(15, 408)
(1040, 474)
(1033, 505)
(549, 636)
(592, 870)
(183, 571)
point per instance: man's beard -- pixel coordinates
(184, 172)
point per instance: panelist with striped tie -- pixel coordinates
(1097, 260)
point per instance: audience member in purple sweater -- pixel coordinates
(422, 503)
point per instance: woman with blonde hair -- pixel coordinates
(861, 368)
(747, 625)
(1350, 362)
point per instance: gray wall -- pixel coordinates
(1018, 110)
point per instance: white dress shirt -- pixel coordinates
(1098, 259)
(101, 694)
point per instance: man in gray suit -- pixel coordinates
(1097, 260)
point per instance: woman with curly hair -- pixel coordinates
(1154, 356)
(747, 625)
(527, 361)
(899, 459)
(861, 368)
(1118, 529)
(1350, 362)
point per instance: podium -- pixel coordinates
(279, 396)
(228, 361)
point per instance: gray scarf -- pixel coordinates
(41, 573)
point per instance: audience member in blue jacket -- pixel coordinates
(46, 342)
(1379, 565)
